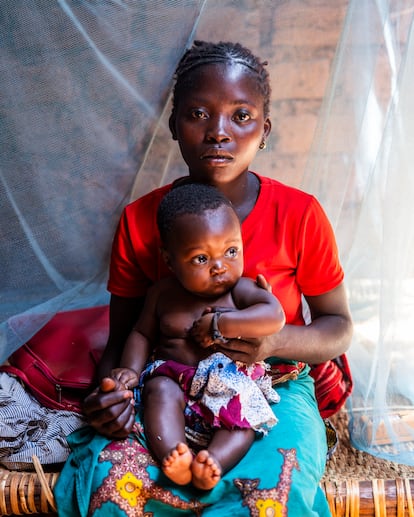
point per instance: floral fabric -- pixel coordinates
(223, 392)
(278, 476)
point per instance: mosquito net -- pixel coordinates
(85, 99)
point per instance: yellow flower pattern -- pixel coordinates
(130, 488)
(269, 508)
(131, 492)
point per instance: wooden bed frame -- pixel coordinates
(356, 484)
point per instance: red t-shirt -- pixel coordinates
(287, 237)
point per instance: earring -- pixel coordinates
(262, 144)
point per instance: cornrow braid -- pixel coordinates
(206, 53)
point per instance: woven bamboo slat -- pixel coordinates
(26, 493)
(356, 484)
(374, 498)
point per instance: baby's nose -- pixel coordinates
(218, 267)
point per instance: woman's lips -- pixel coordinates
(216, 155)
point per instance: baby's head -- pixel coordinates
(201, 238)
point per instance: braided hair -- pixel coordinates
(207, 53)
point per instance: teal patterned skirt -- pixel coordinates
(279, 476)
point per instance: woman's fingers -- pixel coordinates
(112, 418)
(121, 426)
(242, 350)
(104, 400)
(263, 283)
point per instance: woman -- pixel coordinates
(220, 118)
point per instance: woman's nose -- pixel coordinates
(218, 130)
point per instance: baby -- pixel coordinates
(192, 392)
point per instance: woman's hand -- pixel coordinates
(263, 283)
(109, 409)
(247, 351)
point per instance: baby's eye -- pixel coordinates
(232, 252)
(199, 259)
(198, 113)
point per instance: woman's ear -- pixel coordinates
(267, 128)
(171, 125)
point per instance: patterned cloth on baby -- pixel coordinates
(223, 392)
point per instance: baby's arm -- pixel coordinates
(139, 344)
(259, 313)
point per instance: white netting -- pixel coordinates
(84, 108)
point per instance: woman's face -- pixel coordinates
(219, 122)
(206, 252)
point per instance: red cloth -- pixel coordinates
(333, 385)
(287, 237)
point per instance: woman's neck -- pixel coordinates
(244, 195)
(243, 192)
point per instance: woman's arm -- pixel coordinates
(328, 336)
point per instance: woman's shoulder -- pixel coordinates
(153, 197)
(282, 191)
(147, 201)
(284, 201)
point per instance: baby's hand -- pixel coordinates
(200, 332)
(126, 376)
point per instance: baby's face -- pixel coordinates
(206, 251)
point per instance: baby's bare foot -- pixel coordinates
(176, 465)
(206, 471)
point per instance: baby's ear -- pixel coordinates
(166, 257)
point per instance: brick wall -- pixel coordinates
(298, 38)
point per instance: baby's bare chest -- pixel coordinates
(178, 314)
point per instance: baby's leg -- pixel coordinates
(165, 427)
(225, 450)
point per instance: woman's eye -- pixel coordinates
(200, 259)
(242, 116)
(199, 114)
(232, 252)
